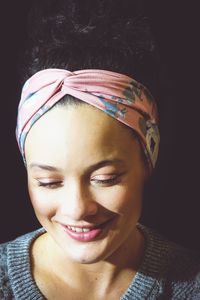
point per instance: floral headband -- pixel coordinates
(116, 94)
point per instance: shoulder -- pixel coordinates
(177, 268)
(14, 261)
(183, 272)
(5, 290)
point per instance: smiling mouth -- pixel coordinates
(87, 233)
(80, 229)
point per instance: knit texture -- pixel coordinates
(168, 271)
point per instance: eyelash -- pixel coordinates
(106, 181)
(56, 184)
(50, 185)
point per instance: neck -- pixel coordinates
(104, 275)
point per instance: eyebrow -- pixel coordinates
(98, 165)
(105, 163)
(44, 167)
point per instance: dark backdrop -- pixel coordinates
(172, 198)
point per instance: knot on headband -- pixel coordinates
(118, 95)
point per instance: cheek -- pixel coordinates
(121, 199)
(44, 207)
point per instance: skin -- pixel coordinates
(66, 151)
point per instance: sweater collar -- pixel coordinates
(146, 281)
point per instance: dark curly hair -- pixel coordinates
(102, 34)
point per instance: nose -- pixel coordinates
(77, 202)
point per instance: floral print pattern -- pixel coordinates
(118, 95)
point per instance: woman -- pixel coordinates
(87, 130)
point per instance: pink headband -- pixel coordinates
(118, 95)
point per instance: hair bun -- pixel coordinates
(77, 34)
(85, 23)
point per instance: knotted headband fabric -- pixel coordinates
(118, 95)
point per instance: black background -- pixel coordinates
(172, 201)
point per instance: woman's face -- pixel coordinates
(85, 177)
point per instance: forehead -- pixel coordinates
(77, 133)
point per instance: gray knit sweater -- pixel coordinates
(167, 272)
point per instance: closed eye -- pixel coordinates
(50, 185)
(108, 181)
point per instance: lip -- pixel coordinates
(94, 232)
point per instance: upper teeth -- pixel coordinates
(78, 229)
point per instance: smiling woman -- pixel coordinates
(87, 129)
(90, 195)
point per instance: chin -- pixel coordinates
(86, 260)
(86, 256)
